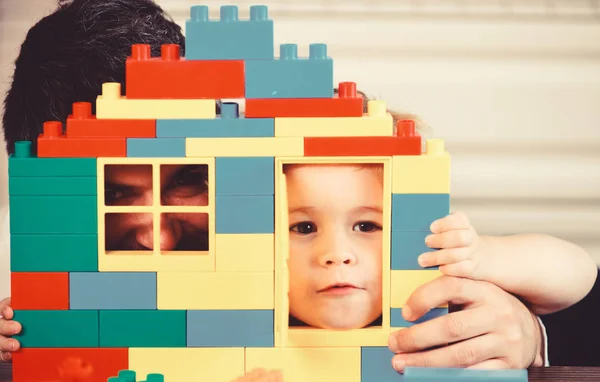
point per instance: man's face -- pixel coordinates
(177, 185)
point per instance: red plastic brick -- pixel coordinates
(172, 76)
(405, 142)
(68, 365)
(52, 143)
(40, 290)
(348, 104)
(82, 124)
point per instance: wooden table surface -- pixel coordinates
(556, 374)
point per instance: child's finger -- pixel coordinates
(456, 220)
(443, 256)
(451, 239)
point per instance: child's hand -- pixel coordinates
(7, 328)
(459, 246)
(261, 375)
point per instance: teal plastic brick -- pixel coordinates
(397, 321)
(416, 212)
(112, 290)
(230, 328)
(142, 328)
(237, 39)
(376, 365)
(52, 186)
(407, 246)
(21, 163)
(54, 253)
(228, 125)
(130, 376)
(291, 77)
(58, 328)
(53, 214)
(245, 176)
(127, 375)
(156, 147)
(245, 214)
(426, 374)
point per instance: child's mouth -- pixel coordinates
(339, 289)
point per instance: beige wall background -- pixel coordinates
(512, 86)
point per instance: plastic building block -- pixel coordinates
(376, 365)
(348, 104)
(397, 321)
(112, 105)
(40, 290)
(290, 77)
(403, 284)
(54, 253)
(156, 147)
(245, 252)
(172, 76)
(52, 186)
(79, 364)
(244, 147)
(245, 176)
(23, 164)
(82, 124)
(308, 364)
(377, 122)
(142, 328)
(189, 364)
(219, 291)
(52, 143)
(228, 125)
(57, 328)
(407, 246)
(418, 374)
(229, 38)
(230, 328)
(245, 214)
(112, 290)
(317, 338)
(428, 173)
(53, 214)
(416, 212)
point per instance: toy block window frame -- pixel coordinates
(156, 260)
(286, 336)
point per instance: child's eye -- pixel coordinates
(304, 228)
(366, 227)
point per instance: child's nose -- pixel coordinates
(337, 253)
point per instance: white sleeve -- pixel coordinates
(546, 361)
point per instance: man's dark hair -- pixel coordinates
(67, 56)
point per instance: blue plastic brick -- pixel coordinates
(54, 253)
(112, 290)
(291, 77)
(228, 125)
(230, 328)
(376, 365)
(397, 321)
(52, 186)
(142, 328)
(426, 374)
(416, 212)
(245, 214)
(407, 246)
(229, 38)
(245, 176)
(156, 147)
(53, 214)
(58, 328)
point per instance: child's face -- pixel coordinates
(335, 217)
(180, 185)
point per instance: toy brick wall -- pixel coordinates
(211, 314)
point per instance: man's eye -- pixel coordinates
(304, 228)
(191, 176)
(366, 227)
(113, 195)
